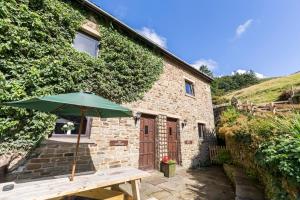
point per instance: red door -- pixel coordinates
(147, 142)
(172, 139)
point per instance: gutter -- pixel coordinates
(98, 10)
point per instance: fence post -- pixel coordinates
(273, 108)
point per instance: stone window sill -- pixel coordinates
(71, 139)
(191, 96)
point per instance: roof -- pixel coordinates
(165, 52)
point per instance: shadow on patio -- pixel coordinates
(200, 184)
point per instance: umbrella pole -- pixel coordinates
(77, 145)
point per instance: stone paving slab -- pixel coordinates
(156, 180)
(204, 184)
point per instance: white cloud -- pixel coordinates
(210, 63)
(243, 27)
(152, 35)
(239, 71)
(243, 71)
(258, 75)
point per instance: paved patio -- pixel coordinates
(201, 184)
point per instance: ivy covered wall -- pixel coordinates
(37, 58)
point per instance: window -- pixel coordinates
(189, 88)
(69, 126)
(146, 130)
(201, 130)
(86, 43)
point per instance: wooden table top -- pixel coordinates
(58, 187)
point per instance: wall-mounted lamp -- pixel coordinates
(137, 117)
(183, 124)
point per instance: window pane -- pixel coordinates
(189, 88)
(201, 129)
(86, 44)
(170, 130)
(69, 126)
(146, 129)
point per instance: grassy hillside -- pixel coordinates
(266, 91)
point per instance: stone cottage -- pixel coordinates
(170, 120)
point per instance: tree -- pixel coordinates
(205, 70)
(226, 84)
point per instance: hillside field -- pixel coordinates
(267, 91)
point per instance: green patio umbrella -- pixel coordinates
(74, 104)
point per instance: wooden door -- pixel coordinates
(173, 139)
(147, 142)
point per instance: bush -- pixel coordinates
(217, 100)
(243, 137)
(223, 157)
(287, 94)
(263, 127)
(281, 154)
(229, 116)
(267, 146)
(287, 124)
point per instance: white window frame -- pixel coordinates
(186, 80)
(86, 34)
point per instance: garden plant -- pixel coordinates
(267, 147)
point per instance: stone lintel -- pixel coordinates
(91, 28)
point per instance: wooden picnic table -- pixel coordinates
(60, 187)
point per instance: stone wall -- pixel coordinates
(166, 98)
(54, 158)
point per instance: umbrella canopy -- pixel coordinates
(71, 104)
(74, 104)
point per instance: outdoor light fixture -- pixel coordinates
(183, 124)
(137, 117)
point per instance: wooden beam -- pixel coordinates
(101, 194)
(135, 190)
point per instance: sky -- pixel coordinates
(225, 35)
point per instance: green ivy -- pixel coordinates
(37, 58)
(281, 156)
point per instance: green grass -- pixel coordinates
(266, 91)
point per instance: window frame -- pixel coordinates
(192, 83)
(84, 33)
(88, 129)
(203, 128)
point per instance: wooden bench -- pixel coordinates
(62, 187)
